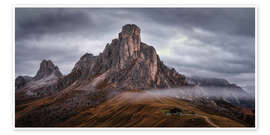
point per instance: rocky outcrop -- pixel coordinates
(137, 65)
(212, 82)
(44, 83)
(80, 71)
(132, 64)
(125, 63)
(21, 81)
(46, 69)
(216, 87)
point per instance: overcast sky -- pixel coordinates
(209, 42)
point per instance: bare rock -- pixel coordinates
(44, 83)
(80, 71)
(21, 81)
(125, 63)
(46, 69)
(132, 64)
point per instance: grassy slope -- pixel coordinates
(143, 109)
(25, 108)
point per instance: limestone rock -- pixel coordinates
(21, 81)
(46, 69)
(132, 64)
(125, 63)
(44, 83)
(80, 71)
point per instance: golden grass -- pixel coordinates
(41, 102)
(134, 109)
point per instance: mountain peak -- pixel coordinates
(47, 68)
(130, 34)
(133, 64)
(125, 63)
(86, 55)
(84, 64)
(130, 30)
(46, 62)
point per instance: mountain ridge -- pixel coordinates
(126, 63)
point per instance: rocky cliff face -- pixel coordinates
(128, 63)
(46, 69)
(125, 63)
(21, 81)
(80, 72)
(203, 81)
(44, 83)
(214, 82)
(229, 92)
(136, 65)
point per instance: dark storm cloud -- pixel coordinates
(35, 22)
(212, 42)
(222, 54)
(239, 21)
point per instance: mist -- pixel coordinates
(190, 93)
(201, 92)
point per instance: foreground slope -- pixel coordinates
(145, 109)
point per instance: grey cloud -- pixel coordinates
(219, 53)
(28, 56)
(239, 21)
(35, 22)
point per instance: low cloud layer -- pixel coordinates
(191, 94)
(211, 42)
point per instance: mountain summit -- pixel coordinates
(125, 63)
(46, 69)
(44, 83)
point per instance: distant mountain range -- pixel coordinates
(126, 64)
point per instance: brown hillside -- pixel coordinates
(143, 109)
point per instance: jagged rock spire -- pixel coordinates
(125, 63)
(130, 43)
(130, 31)
(47, 68)
(133, 63)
